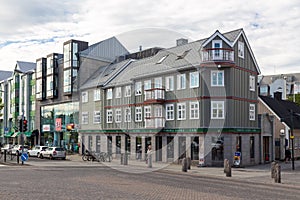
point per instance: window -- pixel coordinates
(147, 85)
(217, 110)
(97, 94)
(147, 112)
(127, 114)
(162, 59)
(84, 97)
(217, 78)
(118, 92)
(252, 112)
(169, 112)
(158, 82)
(194, 79)
(217, 52)
(97, 117)
(169, 83)
(181, 113)
(252, 84)
(138, 88)
(180, 81)
(252, 152)
(138, 114)
(127, 91)
(109, 94)
(118, 116)
(109, 116)
(241, 49)
(194, 110)
(85, 118)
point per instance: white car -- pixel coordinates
(17, 149)
(7, 147)
(53, 152)
(35, 151)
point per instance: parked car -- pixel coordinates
(35, 151)
(7, 147)
(17, 149)
(53, 152)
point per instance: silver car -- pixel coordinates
(53, 152)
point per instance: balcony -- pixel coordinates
(155, 95)
(155, 122)
(220, 55)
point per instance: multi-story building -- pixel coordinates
(195, 100)
(19, 101)
(58, 77)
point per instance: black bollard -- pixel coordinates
(4, 155)
(273, 169)
(189, 163)
(18, 157)
(277, 173)
(184, 165)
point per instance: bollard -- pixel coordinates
(125, 162)
(4, 155)
(189, 163)
(122, 159)
(150, 160)
(18, 158)
(227, 168)
(184, 165)
(225, 164)
(11, 156)
(273, 169)
(277, 173)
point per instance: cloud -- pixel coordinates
(40, 28)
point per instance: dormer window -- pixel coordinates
(217, 52)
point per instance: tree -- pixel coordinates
(296, 97)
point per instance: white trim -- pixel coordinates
(211, 110)
(217, 33)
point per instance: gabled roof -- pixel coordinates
(4, 75)
(25, 67)
(282, 109)
(106, 50)
(217, 33)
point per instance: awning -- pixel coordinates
(28, 133)
(15, 134)
(8, 134)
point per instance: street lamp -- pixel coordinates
(292, 138)
(282, 146)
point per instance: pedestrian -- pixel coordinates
(149, 151)
(287, 155)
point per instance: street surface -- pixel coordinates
(58, 179)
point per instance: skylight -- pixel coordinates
(162, 59)
(183, 54)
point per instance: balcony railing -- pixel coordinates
(155, 122)
(155, 95)
(218, 55)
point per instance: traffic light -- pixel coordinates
(20, 125)
(70, 127)
(24, 128)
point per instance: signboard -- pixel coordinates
(24, 157)
(58, 124)
(5, 130)
(46, 127)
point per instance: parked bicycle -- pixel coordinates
(93, 156)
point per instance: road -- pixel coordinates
(101, 182)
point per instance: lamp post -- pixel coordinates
(292, 139)
(282, 146)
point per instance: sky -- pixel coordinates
(33, 29)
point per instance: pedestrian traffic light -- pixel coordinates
(24, 125)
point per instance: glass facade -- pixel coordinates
(54, 122)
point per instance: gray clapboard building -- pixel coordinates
(196, 99)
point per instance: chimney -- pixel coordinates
(181, 41)
(278, 95)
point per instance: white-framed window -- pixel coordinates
(217, 78)
(127, 115)
(181, 81)
(97, 117)
(217, 110)
(194, 110)
(241, 49)
(109, 116)
(194, 79)
(85, 118)
(169, 83)
(118, 92)
(158, 82)
(147, 85)
(181, 111)
(109, 94)
(118, 115)
(217, 52)
(252, 112)
(97, 93)
(84, 97)
(127, 91)
(170, 112)
(252, 84)
(138, 88)
(147, 112)
(138, 114)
